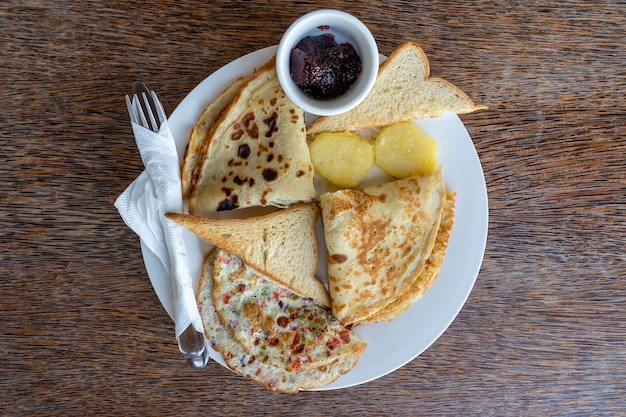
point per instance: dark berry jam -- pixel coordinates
(322, 68)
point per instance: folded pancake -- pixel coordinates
(275, 325)
(275, 378)
(255, 153)
(429, 273)
(198, 133)
(378, 241)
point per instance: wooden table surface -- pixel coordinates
(543, 331)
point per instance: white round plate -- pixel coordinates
(389, 345)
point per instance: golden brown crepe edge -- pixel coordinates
(361, 313)
(430, 273)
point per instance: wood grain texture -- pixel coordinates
(542, 333)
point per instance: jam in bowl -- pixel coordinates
(327, 62)
(322, 68)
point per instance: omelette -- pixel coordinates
(274, 324)
(255, 153)
(275, 378)
(378, 241)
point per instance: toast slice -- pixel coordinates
(402, 91)
(282, 245)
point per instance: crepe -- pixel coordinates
(199, 131)
(275, 378)
(378, 241)
(255, 153)
(430, 272)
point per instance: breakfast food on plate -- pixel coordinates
(378, 241)
(403, 149)
(282, 244)
(342, 158)
(198, 133)
(255, 153)
(261, 305)
(281, 317)
(402, 91)
(429, 273)
(273, 323)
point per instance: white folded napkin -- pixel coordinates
(143, 206)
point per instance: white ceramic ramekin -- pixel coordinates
(345, 28)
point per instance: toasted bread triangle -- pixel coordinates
(428, 275)
(402, 91)
(282, 245)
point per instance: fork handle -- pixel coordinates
(191, 342)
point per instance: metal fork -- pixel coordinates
(142, 110)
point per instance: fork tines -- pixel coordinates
(142, 113)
